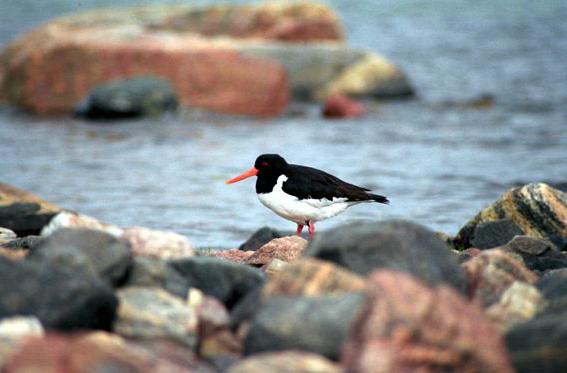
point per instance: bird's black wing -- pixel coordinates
(307, 182)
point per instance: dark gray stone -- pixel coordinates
(24, 218)
(317, 325)
(259, 238)
(156, 273)
(553, 287)
(494, 233)
(539, 345)
(224, 280)
(538, 255)
(397, 245)
(92, 252)
(59, 298)
(129, 98)
(246, 308)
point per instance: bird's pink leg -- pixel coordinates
(299, 229)
(311, 229)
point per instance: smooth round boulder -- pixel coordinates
(128, 98)
(395, 244)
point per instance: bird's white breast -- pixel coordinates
(300, 211)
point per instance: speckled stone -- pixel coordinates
(405, 326)
(492, 272)
(539, 210)
(313, 277)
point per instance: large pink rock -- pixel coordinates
(284, 21)
(405, 326)
(100, 351)
(50, 70)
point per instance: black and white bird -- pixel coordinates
(303, 194)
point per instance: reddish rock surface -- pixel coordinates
(234, 255)
(340, 106)
(152, 243)
(52, 69)
(405, 326)
(492, 272)
(96, 352)
(313, 277)
(215, 336)
(292, 22)
(285, 362)
(285, 248)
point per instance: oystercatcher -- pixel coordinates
(303, 194)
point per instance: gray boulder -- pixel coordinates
(92, 252)
(129, 98)
(317, 325)
(395, 244)
(59, 298)
(229, 282)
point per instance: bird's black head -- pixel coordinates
(267, 167)
(270, 164)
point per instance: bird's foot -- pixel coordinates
(311, 229)
(299, 229)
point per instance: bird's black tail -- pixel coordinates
(378, 198)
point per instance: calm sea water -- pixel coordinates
(438, 162)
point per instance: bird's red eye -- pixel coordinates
(265, 164)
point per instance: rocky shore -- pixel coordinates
(80, 295)
(234, 59)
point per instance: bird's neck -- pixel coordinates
(265, 182)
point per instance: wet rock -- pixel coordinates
(538, 255)
(153, 313)
(152, 243)
(70, 56)
(291, 22)
(553, 286)
(405, 326)
(317, 324)
(340, 106)
(519, 303)
(100, 352)
(395, 244)
(23, 212)
(494, 233)
(539, 345)
(233, 255)
(492, 272)
(59, 298)
(67, 219)
(285, 362)
(371, 75)
(313, 277)
(226, 281)
(92, 252)
(539, 210)
(150, 272)
(285, 248)
(128, 98)
(259, 238)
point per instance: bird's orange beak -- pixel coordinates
(251, 172)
